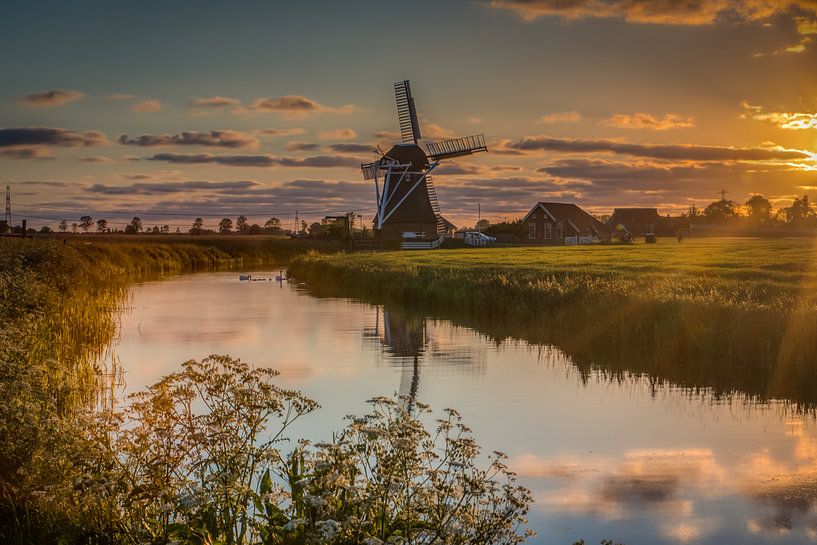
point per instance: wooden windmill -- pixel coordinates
(407, 204)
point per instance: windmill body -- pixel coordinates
(407, 206)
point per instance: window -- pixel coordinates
(548, 230)
(559, 230)
(531, 230)
(533, 216)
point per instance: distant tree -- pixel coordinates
(136, 224)
(155, 230)
(254, 229)
(45, 229)
(304, 226)
(225, 225)
(800, 211)
(273, 225)
(241, 224)
(315, 230)
(178, 230)
(198, 223)
(130, 229)
(512, 227)
(720, 211)
(101, 225)
(85, 223)
(694, 214)
(759, 209)
(63, 226)
(165, 229)
(74, 228)
(482, 224)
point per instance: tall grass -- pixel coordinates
(59, 304)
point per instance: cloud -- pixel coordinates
(215, 103)
(158, 188)
(95, 159)
(297, 105)
(784, 120)
(338, 134)
(301, 146)
(120, 96)
(663, 12)
(290, 131)
(49, 99)
(320, 161)
(689, 152)
(148, 106)
(647, 121)
(571, 116)
(223, 139)
(346, 147)
(46, 136)
(25, 153)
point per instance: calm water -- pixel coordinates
(620, 459)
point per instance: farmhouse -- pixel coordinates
(562, 223)
(640, 221)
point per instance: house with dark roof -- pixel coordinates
(637, 222)
(559, 223)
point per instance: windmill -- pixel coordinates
(407, 204)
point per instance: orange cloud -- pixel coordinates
(339, 134)
(647, 121)
(147, 106)
(49, 99)
(784, 120)
(571, 116)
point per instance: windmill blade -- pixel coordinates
(406, 113)
(456, 147)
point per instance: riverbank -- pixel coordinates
(731, 314)
(59, 304)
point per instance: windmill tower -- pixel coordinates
(406, 199)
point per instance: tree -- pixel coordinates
(800, 211)
(63, 226)
(225, 225)
(241, 224)
(254, 229)
(74, 228)
(136, 224)
(85, 223)
(165, 229)
(315, 230)
(273, 225)
(720, 211)
(304, 226)
(482, 224)
(101, 225)
(45, 229)
(198, 223)
(760, 209)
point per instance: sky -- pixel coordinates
(173, 110)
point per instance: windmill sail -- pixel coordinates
(456, 147)
(406, 113)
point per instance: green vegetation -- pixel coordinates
(196, 458)
(733, 314)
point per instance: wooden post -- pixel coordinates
(23, 230)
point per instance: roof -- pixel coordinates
(448, 224)
(571, 213)
(638, 218)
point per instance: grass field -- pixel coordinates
(779, 274)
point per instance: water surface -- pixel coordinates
(623, 457)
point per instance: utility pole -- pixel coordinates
(479, 216)
(723, 193)
(297, 225)
(8, 205)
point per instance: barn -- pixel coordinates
(558, 223)
(638, 222)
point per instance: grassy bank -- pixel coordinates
(733, 314)
(58, 308)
